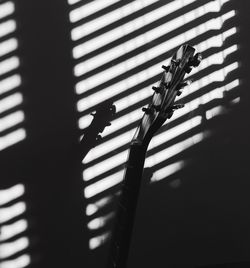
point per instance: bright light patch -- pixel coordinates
(10, 83)
(10, 102)
(12, 211)
(167, 171)
(103, 184)
(100, 222)
(127, 28)
(11, 120)
(96, 242)
(88, 9)
(211, 34)
(12, 138)
(11, 194)
(118, 69)
(7, 27)
(105, 165)
(13, 229)
(19, 262)
(9, 65)
(104, 20)
(8, 46)
(11, 248)
(138, 41)
(6, 9)
(94, 207)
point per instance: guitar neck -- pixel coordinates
(122, 233)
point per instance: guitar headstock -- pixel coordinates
(169, 87)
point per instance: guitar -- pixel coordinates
(156, 113)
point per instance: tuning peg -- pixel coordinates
(98, 138)
(166, 68)
(188, 69)
(179, 92)
(170, 114)
(157, 107)
(175, 62)
(196, 60)
(166, 84)
(156, 89)
(147, 110)
(184, 84)
(177, 106)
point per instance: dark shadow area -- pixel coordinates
(196, 217)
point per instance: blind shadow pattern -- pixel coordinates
(118, 48)
(11, 115)
(14, 243)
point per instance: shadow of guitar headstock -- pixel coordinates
(92, 134)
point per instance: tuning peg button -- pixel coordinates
(156, 89)
(175, 62)
(170, 114)
(177, 106)
(185, 83)
(166, 84)
(188, 69)
(157, 107)
(179, 92)
(147, 110)
(196, 60)
(98, 138)
(166, 68)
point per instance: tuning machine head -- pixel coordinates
(165, 68)
(193, 62)
(156, 89)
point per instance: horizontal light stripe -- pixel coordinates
(6, 9)
(94, 207)
(88, 9)
(126, 137)
(167, 171)
(108, 92)
(109, 146)
(100, 222)
(11, 248)
(173, 132)
(11, 120)
(10, 83)
(7, 27)
(13, 229)
(10, 194)
(108, 18)
(97, 241)
(19, 262)
(174, 150)
(12, 138)
(9, 65)
(137, 114)
(8, 213)
(103, 184)
(128, 27)
(71, 2)
(10, 102)
(104, 166)
(8, 46)
(147, 37)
